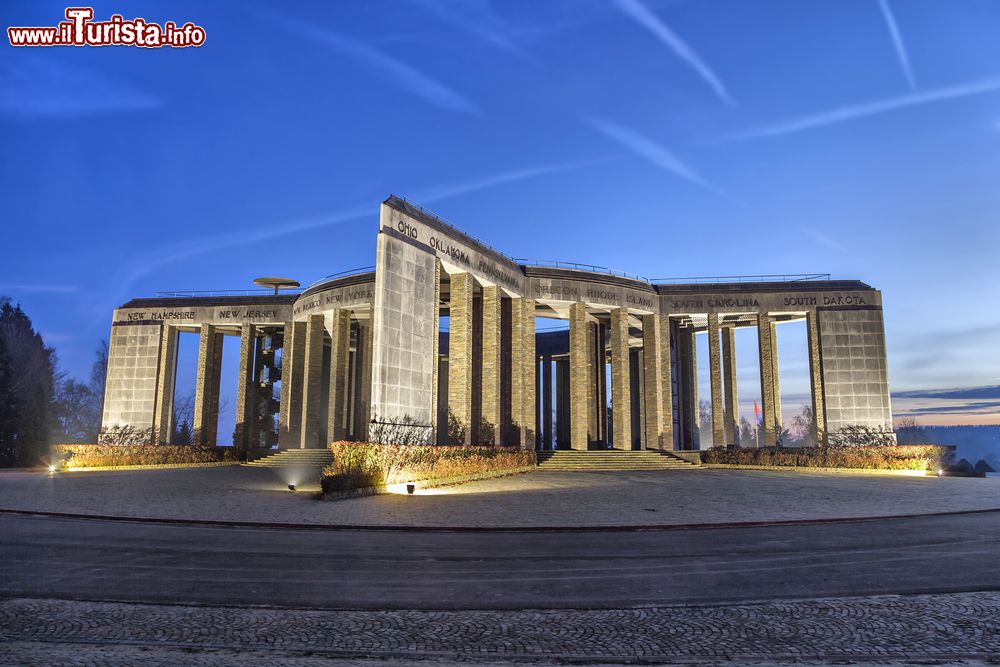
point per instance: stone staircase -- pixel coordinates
(610, 459)
(295, 458)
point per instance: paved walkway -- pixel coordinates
(239, 493)
(946, 627)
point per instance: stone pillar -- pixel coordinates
(562, 404)
(546, 402)
(775, 377)
(460, 359)
(765, 343)
(363, 387)
(652, 385)
(601, 336)
(580, 378)
(593, 386)
(312, 378)
(435, 436)
(524, 364)
(816, 378)
(246, 394)
(732, 397)
(666, 384)
(285, 373)
(491, 417)
(206, 393)
(715, 375)
(340, 349)
(166, 378)
(621, 380)
(687, 358)
(293, 365)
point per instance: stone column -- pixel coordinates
(246, 394)
(732, 397)
(546, 402)
(213, 425)
(340, 350)
(816, 378)
(363, 388)
(312, 378)
(285, 374)
(715, 375)
(491, 365)
(593, 385)
(765, 343)
(524, 364)
(687, 358)
(435, 437)
(562, 403)
(293, 365)
(621, 380)
(166, 378)
(206, 394)
(460, 358)
(580, 379)
(666, 384)
(775, 377)
(652, 385)
(601, 336)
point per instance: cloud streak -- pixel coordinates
(403, 75)
(878, 107)
(652, 152)
(477, 18)
(203, 245)
(40, 87)
(639, 13)
(897, 42)
(41, 289)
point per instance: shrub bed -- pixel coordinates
(99, 456)
(880, 457)
(359, 465)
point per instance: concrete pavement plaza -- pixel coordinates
(885, 591)
(537, 499)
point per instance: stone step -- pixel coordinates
(582, 461)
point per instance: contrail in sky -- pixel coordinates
(897, 41)
(650, 151)
(639, 13)
(853, 112)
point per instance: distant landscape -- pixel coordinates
(973, 442)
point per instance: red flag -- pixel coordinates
(756, 411)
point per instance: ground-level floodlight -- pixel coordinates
(52, 468)
(291, 487)
(410, 488)
(276, 283)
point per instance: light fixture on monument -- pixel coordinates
(276, 283)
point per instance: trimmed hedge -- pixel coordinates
(359, 465)
(876, 457)
(94, 456)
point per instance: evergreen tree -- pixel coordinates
(27, 391)
(78, 407)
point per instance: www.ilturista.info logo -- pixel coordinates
(80, 30)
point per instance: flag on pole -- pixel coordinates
(756, 412)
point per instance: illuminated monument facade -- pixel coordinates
(364, 351)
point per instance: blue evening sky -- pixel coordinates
(667, 138)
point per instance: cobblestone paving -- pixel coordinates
(943, 627)
(32, 654)
(536, 499)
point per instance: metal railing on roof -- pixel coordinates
(341, 274)
(444, 222)
(577, 266)
(226, 292)
(763, 278)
